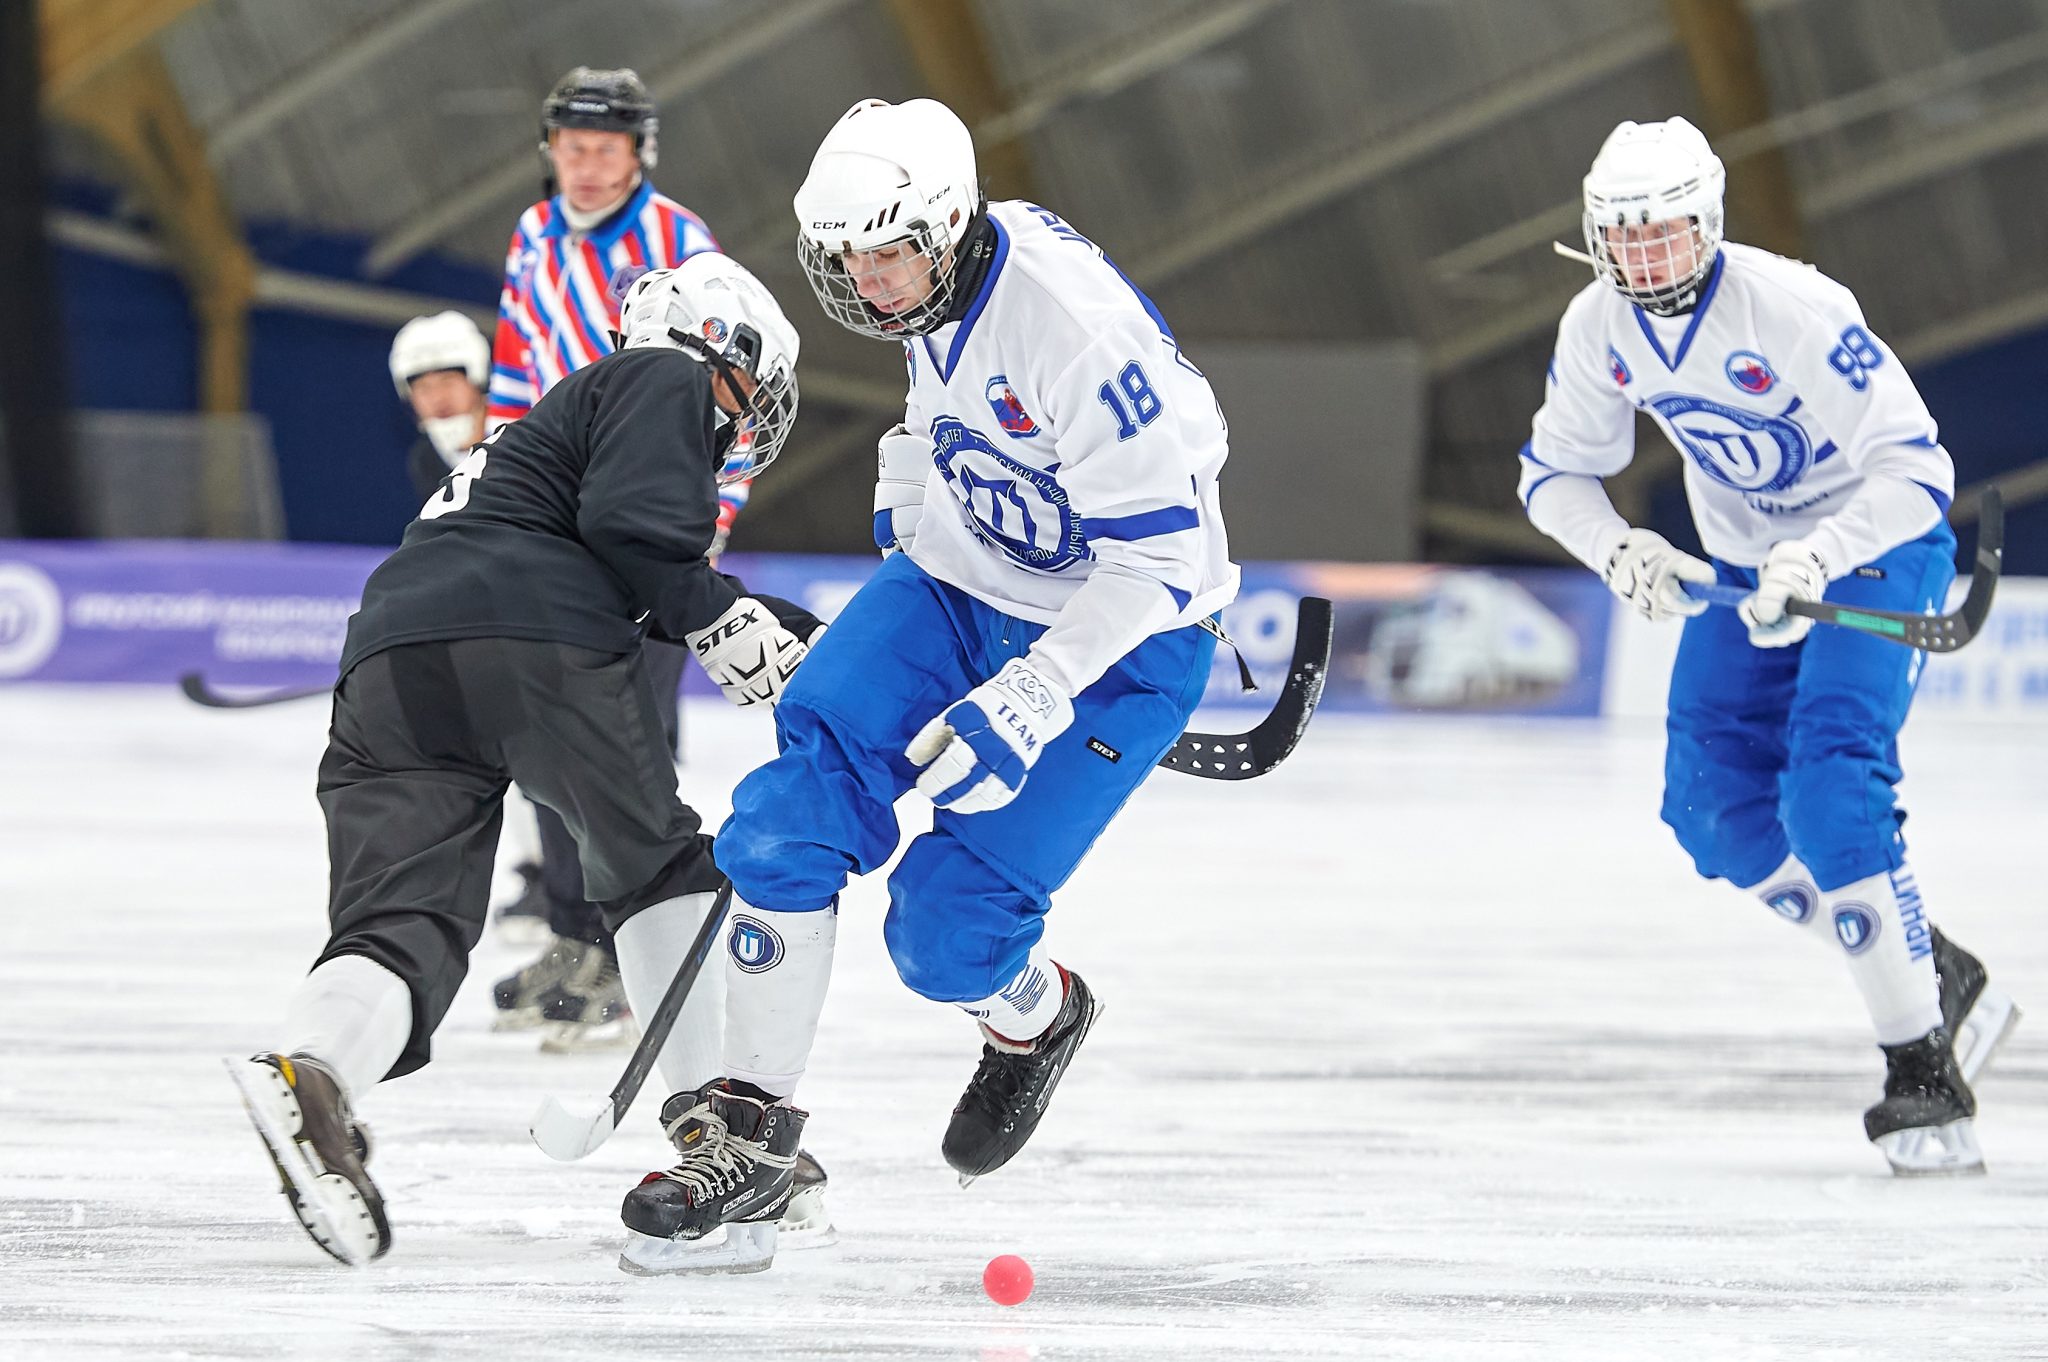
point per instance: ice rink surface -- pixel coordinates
(1427, 1046)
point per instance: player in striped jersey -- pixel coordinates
(558, 307)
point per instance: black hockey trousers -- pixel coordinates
(424, 740)
(561, 870)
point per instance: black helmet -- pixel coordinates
(607, 101)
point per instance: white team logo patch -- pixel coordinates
(1742, 449)
(1794, 902)
(755, 946)
(1855, 927)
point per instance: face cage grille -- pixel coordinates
(840, 296)
(1662, 299)
(754, 438)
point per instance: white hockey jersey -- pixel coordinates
(1795, 422)
(1075, 453)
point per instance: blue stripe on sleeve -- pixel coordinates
(1531, 494)
(1144, 525)
(1529, 453)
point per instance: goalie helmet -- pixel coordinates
(445, 340)
(888, 175)
(1648, 173)
(714, 310)
(603, 101)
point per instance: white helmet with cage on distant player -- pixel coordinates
(1648, 173)
(445, 340)
(712, 308)
(888, 174)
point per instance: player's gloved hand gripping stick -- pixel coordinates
(1935, 633)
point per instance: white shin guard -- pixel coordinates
(1791, 893)
(1881, 924)
(651, 945)
(354, 1016)
(1026, 1006)
(777, 968)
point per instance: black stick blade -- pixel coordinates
(1245, 756)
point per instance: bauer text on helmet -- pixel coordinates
(888, 198)
(713, 309)
(1653, 213)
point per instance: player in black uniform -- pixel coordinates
(500, 642)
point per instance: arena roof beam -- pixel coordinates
(513, 178)
(298, 88)
(1328, 174)
(1720, 43)
(81, 39)
(951, 53)
(1829, 115)
(1191, 29)
(2022, 126)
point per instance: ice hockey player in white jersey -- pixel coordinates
(1813, 470)
(1025, 655)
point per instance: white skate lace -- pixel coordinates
(721, 1162)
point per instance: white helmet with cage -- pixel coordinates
(445, 340)
(1647, 174)
(712, 308)
(888, 175)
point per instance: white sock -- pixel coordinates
(1881, 924)
(1791, 893)
(776, 971)
(1023, 1008)
(354, 1016)
(652, 944)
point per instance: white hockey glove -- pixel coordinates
(1648, 573)
(905, 460)
(1791, 572)
(976, 754)
(748, 653)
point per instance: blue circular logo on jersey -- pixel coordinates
(1745, 450)
(1021, 511)
(1750, 372)
(754, 945)
(1855, 927)
(1794, 902)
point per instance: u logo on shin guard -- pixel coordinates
(1794, 902)
(754, 945)
(1855, 927)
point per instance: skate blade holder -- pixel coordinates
(748, 1247)
(1934, 1151)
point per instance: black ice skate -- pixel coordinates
(1924, 1124)
(588, 1009)
(319, 1149)
(805, 1223)
(518, 995)
(1003, 1103)
(1977, 1016)
(738, 1171)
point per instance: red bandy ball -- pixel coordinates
(1007, 1279)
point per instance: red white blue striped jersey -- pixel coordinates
(557, 309)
